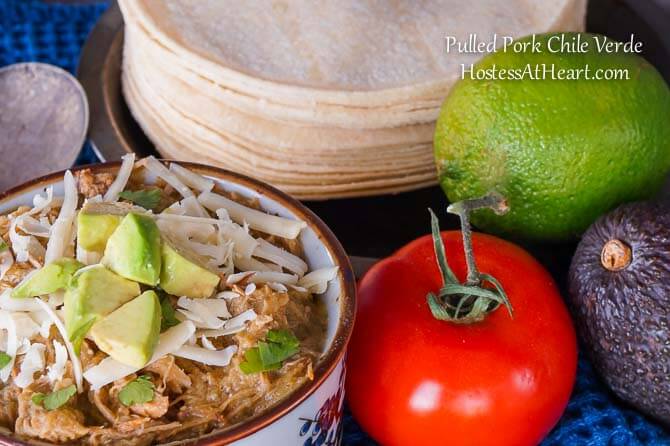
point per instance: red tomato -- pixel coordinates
(415, 380)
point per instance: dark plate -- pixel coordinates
(374, 226)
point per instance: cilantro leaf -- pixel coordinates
(168, 318)
(4, 360)
(278, 346)
(284, 337)
(253, 363)
(56, 399)
(3, 245)
(139, 391)
(147, 198)
(274, 353)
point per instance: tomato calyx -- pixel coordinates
(471, 301)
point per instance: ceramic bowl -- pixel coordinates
(311, 415)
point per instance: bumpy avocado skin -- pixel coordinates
(623, 315)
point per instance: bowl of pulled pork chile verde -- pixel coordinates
(151, 302)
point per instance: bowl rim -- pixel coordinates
(329, 361)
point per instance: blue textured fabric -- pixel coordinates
(54, 33)
(34, 31)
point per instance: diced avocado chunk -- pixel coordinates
(183, 274)
(93, 230)
(134, 250)
(130, 333)
(50, 278)
(94, 292)
(97, 221)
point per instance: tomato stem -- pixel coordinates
(493, 201)
(471, 301)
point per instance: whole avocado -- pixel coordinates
(620, 290)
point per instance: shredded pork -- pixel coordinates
(190, 398)
(15, 274)
(91, 184)
(62, 425)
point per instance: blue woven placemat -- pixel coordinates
(31, 30)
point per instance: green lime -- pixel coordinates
(561, 151)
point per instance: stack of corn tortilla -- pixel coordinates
(323, 99)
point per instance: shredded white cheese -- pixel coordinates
(199, 315)
(26, 327)
(41, 318)
(245, 244)
(223, 215)
(206, 343)
(56, 370)
(299, 288)
(192, 179)
(219, 358)
(184, 218)
(61, 231)
(42, 204)
(109, 369)
(188, 206)
(232, 279)
(215, 307)
(184, 230)
(121, 179)
(279, 287)
(7, 323)
(216, 253)
(317, 280)
(221, 331)
(32, 362)
(6, 262)
(249, 289)
(26, 247)
(281, 257)
(251, 264)
(93, 199)
(233, 325)
(227, 295)
(8, 303)
(218, 307)
(76, 364)
(32, 226)
(270, 224)
(158, 169)
(192, 206)
(24, 346)
(271, 276)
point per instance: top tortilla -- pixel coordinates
(372, 53)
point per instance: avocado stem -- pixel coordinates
(616, 255)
